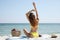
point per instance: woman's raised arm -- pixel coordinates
(35, 9)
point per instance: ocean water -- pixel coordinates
(44, 28)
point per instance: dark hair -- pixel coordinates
(32, 19)
(13, 29)
(32, 16)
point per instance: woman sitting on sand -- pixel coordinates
(33, 22)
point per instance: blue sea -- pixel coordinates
(44, 28)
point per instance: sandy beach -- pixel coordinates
(44, 37)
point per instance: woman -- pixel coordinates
(33, 22)
(15, 33)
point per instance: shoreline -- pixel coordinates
(44, 37)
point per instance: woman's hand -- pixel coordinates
(34, 5)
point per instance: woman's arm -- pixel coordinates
(27, 34)
(35, 9)
(28, 13)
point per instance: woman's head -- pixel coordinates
(32, 16)
(14, 29)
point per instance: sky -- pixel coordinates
(13, 11)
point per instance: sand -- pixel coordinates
(44, 37)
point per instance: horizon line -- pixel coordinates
(14, 23)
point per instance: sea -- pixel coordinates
(43, 28)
